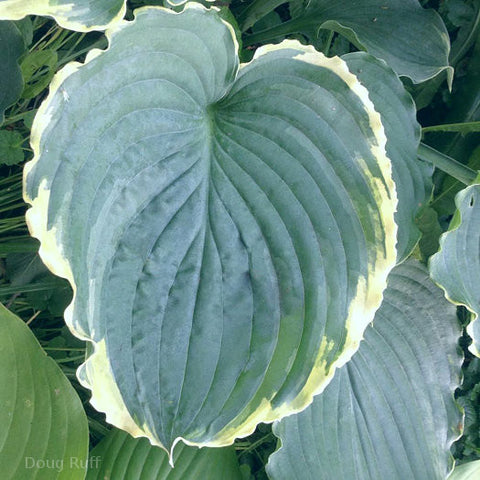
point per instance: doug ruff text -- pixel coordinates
(58, 464)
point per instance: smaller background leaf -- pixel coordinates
(120, 457)
(456, 267)
(427, 222)
(389, 29)
(11, 151)
(38, 68)
(41, 416)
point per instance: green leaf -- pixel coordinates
(431, 230)
(44, 432)
(467, 471)
(11, 151)
(38, 68)
(120, 456)
(456, 267)
(11, 82)
(227, 231)
(397, 110)
(390, 412)
(389, 29)
(79, 15)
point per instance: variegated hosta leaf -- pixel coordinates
(80, 15)
(121, 457)
(11, 82)
(413, 178)
(392, 30)
(456, 266)
(227, 231)
(43, 427)
(390, 412)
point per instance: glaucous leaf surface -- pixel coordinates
(390, 411)
(41, 417)
(80, 15)
(456, 266)
(392, 30)
(11, 82)
(413, 178)
(119, 456)
(227, 231)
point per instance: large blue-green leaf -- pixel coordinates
(390, 412)
(43, 427)
(119, 456)
(412, 40)
(80, 15)
(412, 177)
(11, 48)
(456, 267)
(227, 231)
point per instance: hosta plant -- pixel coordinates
(231, 228)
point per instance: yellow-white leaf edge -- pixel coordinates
(95, 374)
(18, 9)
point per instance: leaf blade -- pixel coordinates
(120, 456)
(390, 412)
(397, 110)
(213, 219)
(45, 424)
(388, 29)
(455, 266)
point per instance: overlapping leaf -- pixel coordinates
(80, 15)
(44, 431)
(397, 110)
(11, 82)
(390, 412)
(121, 457)
(456, 267)
(389, 29)
(227, 232)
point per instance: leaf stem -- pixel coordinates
(447, 164)
(255, 444)
(328, 43)
(20, 116)
(70, 359)
(465, 127)
(101, 43)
